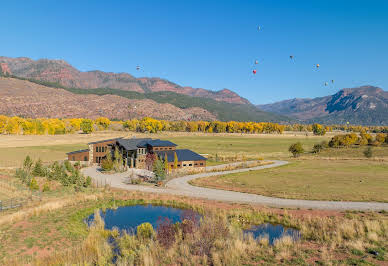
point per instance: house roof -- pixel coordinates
(183, 155)
(158, 143)
(132, 144)
(105, 140)
(73, 152)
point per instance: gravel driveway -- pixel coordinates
(180, 186)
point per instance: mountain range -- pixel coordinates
(139, 97)
(366, 105)
(54, 88)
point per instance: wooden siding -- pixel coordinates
(79, 156)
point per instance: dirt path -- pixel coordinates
(180, 186)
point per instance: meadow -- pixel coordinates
(14, 148)
(53, 233)
(318, 179)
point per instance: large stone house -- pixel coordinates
(134, 152)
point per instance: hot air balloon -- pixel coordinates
(326, 83)
(256, 62)
(332, 81)
(291, 57)
(317, 65)
(254, 71)
(137, 67)
(258, 28)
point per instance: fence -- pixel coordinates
(18, 202)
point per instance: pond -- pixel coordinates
(129, 217)
(272, 232)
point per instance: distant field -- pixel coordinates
(351, 180)
(13, 149)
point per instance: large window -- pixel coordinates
(85, 158)
(96, 149)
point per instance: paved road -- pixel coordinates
(180, 186)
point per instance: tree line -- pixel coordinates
(56, 126)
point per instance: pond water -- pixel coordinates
(129, 217)
(272, 232)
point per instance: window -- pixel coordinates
(73, 158)
(179, 165)
(184, 164)
(195, 164)
(96, 149)
(201, 163)
(85, 158)
(190, 164)
(170, 148)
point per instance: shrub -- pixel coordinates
(46, 187)
(368, 152)
(166, 233)
(27, 164)
(34, 184)
(23, 175)
(145, 231)
(296, 149)
(380, 137)
(159, 170)
(317, 148)
(343, 140)
(107, 163)
(39, 169)
(68, 166)
(318, 129)
(88, 181)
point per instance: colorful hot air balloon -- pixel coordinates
(332, 81)
(317, 65)
(326, 83)
(254, 71)
(291, 57)
(137, 67)
(256, 62)
(258, 28)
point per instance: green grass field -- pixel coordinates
(311, 179)
(14, 156)
(252, 146)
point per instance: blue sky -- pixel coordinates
(211, 44)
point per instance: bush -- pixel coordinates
(346, 140)
(368, 152)
(296, 149)
(166, 233)
(380, 137)
(145, 231)
(34, 184)
(159, 171)
(46, 187)
(27, 164)
(107, 164)
(39, 169)
(317, 148)
(88, 181)
(318, 129)
(23, 176)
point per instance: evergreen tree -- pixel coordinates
(175, 161)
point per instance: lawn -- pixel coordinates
(311, 179)
(13, 149)
(14, 156)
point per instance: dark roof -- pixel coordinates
(158, 143)
(73, 152)
(183, 155)
(100, 141)
(132, 144)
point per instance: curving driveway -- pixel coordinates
(180, 186)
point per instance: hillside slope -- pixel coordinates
(27, 99)
(59, 71)
(366, 105)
